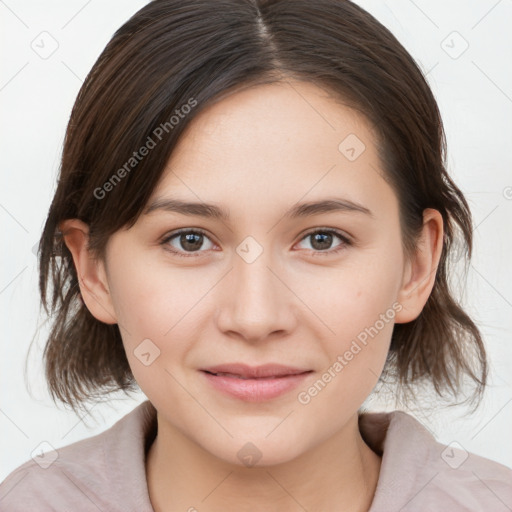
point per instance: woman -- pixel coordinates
(253, 224)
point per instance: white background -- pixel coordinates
(474, 92)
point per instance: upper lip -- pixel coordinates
(254, 372)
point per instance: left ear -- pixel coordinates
(421, 268)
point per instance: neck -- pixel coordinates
(182, 475)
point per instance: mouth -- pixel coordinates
(254, 384)
(235, 376)
(244, 371)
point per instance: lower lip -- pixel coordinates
(255, 390)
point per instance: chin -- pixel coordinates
(257, 453)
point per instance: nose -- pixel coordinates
(255, 302)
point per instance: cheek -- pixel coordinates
(160, 313)
(141, 309)
(152, 300)
(354, 297)
(359, 305)
(356, 353)
(149, 312)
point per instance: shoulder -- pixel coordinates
(470, 481)
(420, 474)
(55, 479)
(90, 474)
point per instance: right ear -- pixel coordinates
(91, 272)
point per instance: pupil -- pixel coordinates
(187, 241)
(325, 240)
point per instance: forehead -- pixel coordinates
(278, 143)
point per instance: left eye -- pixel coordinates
(322, 239)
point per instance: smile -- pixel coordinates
(254, 384)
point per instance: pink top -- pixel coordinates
(106, 472)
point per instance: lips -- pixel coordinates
(243, 371)
(254, 384)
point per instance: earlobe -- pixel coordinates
(91, 273)
(421, 269)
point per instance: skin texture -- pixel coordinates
(257, 153)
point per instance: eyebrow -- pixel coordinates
(212, 211)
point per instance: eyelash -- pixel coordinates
(346, 241)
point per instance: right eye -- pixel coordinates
(185, 242)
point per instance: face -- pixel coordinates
(314, 288)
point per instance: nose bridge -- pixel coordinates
(256, 303)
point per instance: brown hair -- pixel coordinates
(174, 53)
